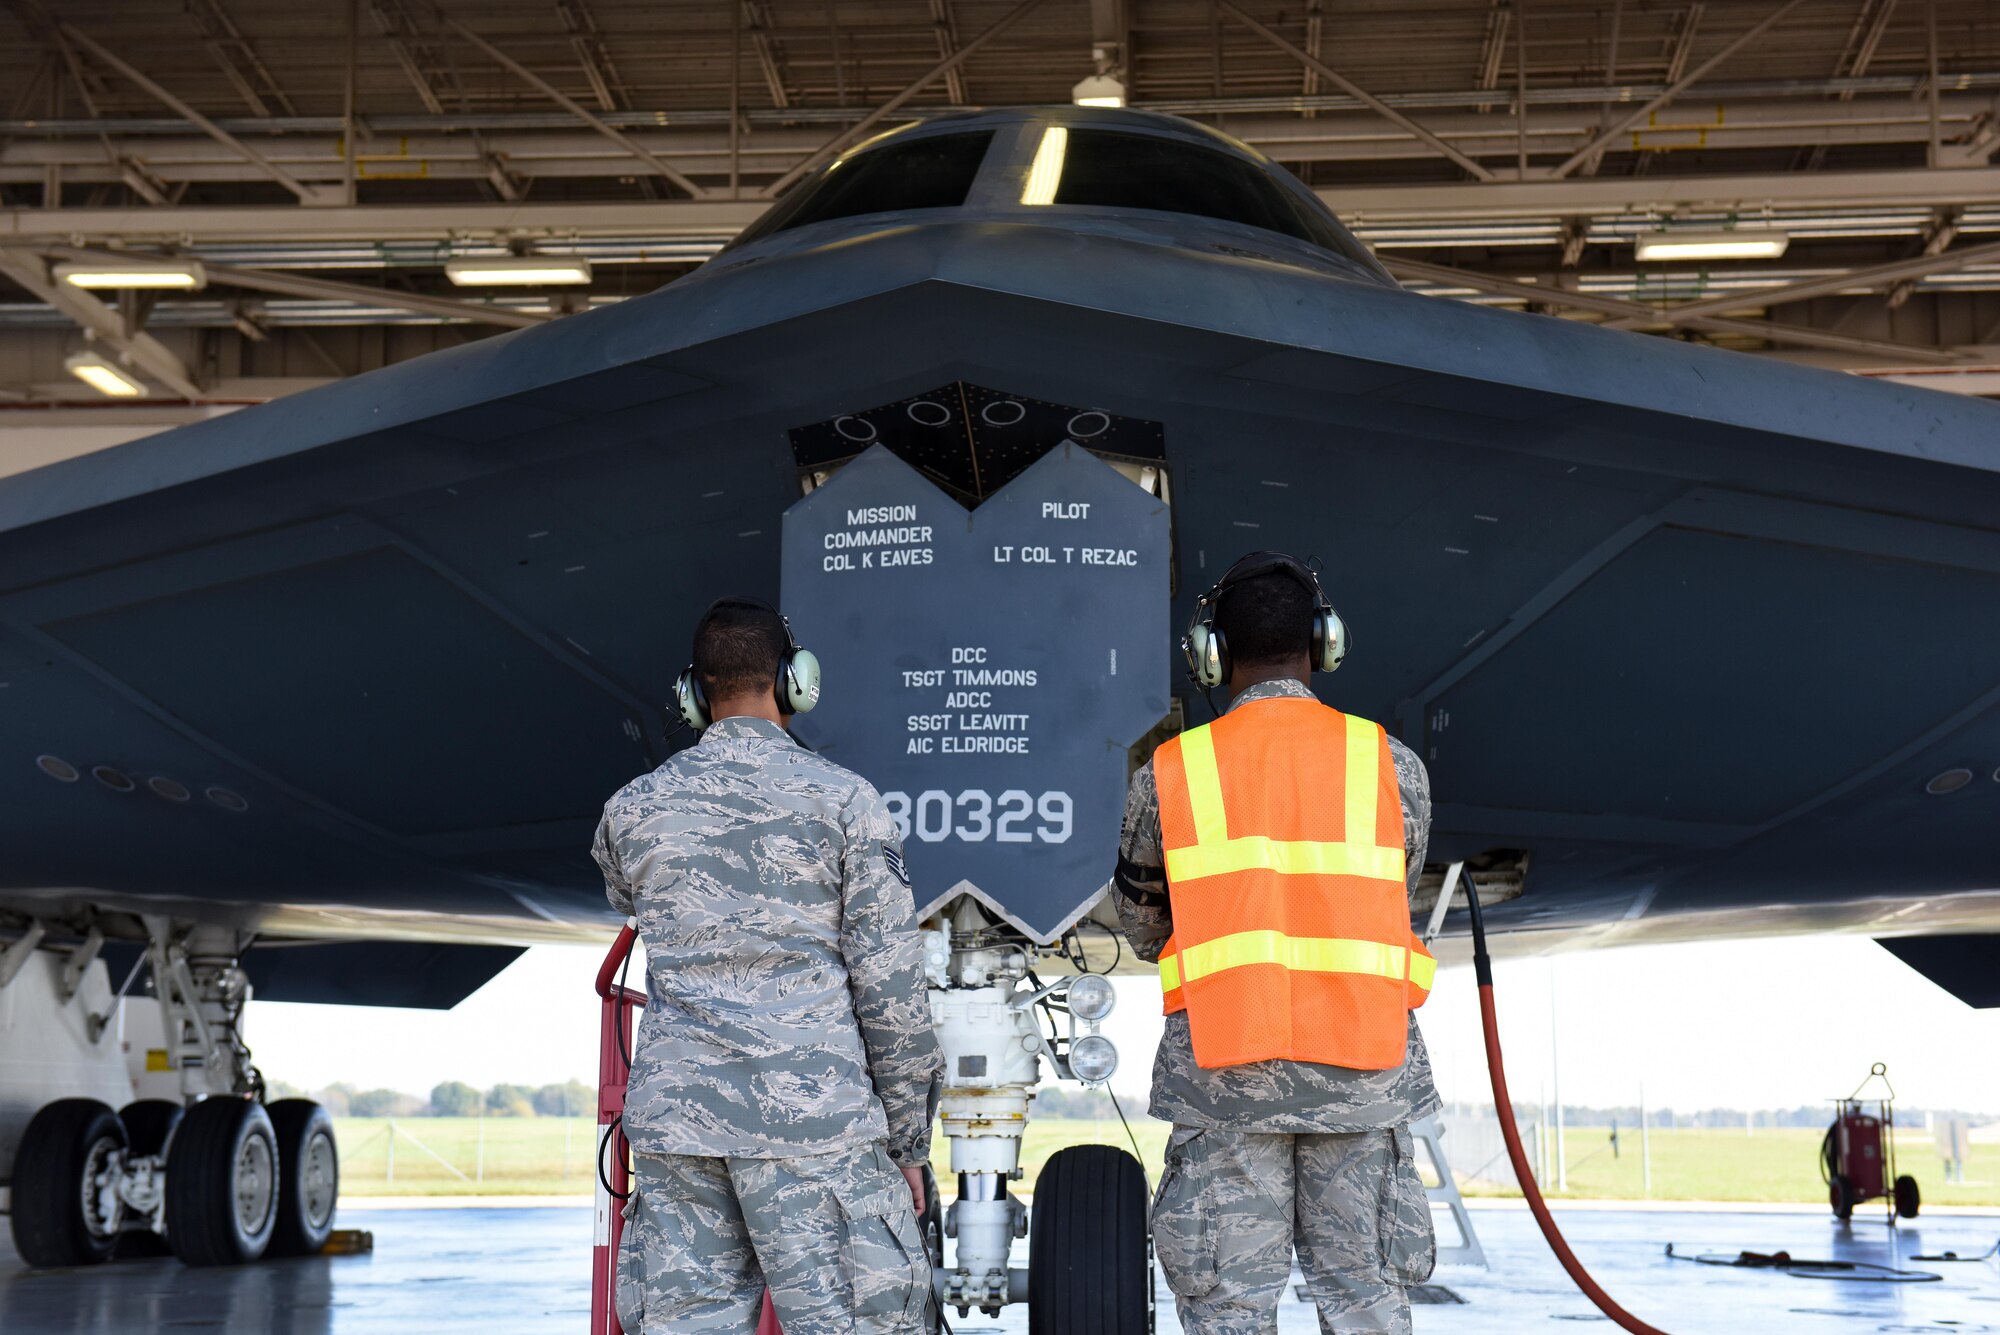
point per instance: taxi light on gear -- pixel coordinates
(1092, 997)
(1093, 1059)
(518, 271)
(1711, 246)
(179, 275)
(1045, 173)
(104, 376)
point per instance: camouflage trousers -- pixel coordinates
(1233, 1204)
(833, 1236)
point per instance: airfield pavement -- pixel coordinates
(524, 1271)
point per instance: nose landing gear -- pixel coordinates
(1089, 1270)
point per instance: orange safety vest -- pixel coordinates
(1283, 832)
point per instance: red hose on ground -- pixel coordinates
(1518, 1155)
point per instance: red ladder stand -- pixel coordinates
(614, 1173)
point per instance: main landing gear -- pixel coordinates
(218, 1177)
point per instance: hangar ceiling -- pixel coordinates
(325, 163)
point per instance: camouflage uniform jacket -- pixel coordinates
(788, 1014)
(1275, 1096)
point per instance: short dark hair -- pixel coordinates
(737, 647)
(1266, 619)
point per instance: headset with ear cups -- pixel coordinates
(796, 689)
(1205, 647)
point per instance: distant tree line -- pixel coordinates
(1805, 1116)
(453, 1098)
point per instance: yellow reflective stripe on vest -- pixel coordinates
(1204, 785)
(1364, 775)
(1214, 853)
(1313, 954)
(1423, 970)
(1288, 858)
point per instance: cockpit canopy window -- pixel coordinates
(929, 172)
(1110, 169)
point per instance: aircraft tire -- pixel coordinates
(1088, 1262)
(222, 1183)
(63, 1143)
(308, 1177)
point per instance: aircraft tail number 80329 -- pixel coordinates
(975, 815)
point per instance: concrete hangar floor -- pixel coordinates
(523, 1271)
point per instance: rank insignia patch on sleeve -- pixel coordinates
(895, 861)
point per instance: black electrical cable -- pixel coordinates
(624, 1011)
(615, 1127)
(1118, 949)
(675, 723)
(1859, 1272)
(1986, 1255)
(1055, 1029)
(1081, 961)
(1128, 1131)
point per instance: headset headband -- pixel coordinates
(756, 604)
(1252, 564)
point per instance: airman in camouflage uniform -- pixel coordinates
(1280, 1154)
(785, 1068)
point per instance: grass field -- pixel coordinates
(553, 1156)
(535, 1156)
(1728, 1165)
(487, 1156)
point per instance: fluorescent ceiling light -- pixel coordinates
(1712, 246)
(1099, 90)
(185, 275)
(105, 377)
(1045, 173)
(517, 271)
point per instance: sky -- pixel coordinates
(1768, 1023)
